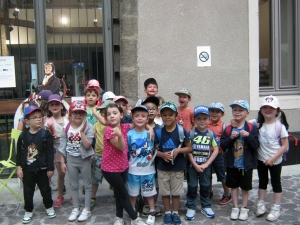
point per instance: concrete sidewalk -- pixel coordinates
(11, 208)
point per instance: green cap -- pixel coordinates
(105, 104)
(170, 105)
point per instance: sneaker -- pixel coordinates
(146, 210)
(225, 199)
(53, 186)
(93, 203)
(157, 210)
(51, 213)
(74, 215)
(244, 214)
(84, 216)
(208, 212)
(176, 219)
(168, 219)
(151, 219)
(64, 190)
(234, 213)
(260, 208)
(59, 201)
(274, 214)
(137, 221)
(211, 195)
(190, 213)
(118, 221)
(27, 217)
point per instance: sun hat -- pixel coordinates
(217, 105)
(169, 105)
(78, 105)
(30, 109)
(152, 99)
(184, 91)
(119, 97)
(108, 95)
(270, 101)
(55, 97)
(201, 109)
(44, 95)
(242, 103)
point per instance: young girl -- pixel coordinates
(55, 121)
(21, 123)
(76, 148)
(273, 138)
(115, 162)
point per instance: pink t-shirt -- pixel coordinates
(114, 160)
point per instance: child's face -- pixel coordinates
(239, 113)
(201, 121)
(152, 109)
(113, 116)
(215, 115)
(78, 116)
(122, 104)
(140, 118)
(168, 117)
(151, 90)
(268, 112)
(55, 107)
(35, 120)
(91, 98)
(183, 100)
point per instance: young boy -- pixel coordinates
(172, 142)
(123, 103)
(185, 113)
(216, 110)
(242, 143)
(35, 161)
(151, 89)
(141, 173)
(199, 166)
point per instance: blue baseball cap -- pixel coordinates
(201, 109)
(217, 105)
(242, 103)
(140, 107)
(169, 105)
(30, 109)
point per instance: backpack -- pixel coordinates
(180, 133)
(229, 128)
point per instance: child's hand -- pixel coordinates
(203, 166)
(50, 173)
(116, 131)
(83, 127)
(167, 156)
(56, 136)
(244, 133)
(151, 133)
(20, 173)
(92, 158)
(64, 168)
(94, 110)
(269, 162)
(233, 123)
(199, 169)
(234, 134)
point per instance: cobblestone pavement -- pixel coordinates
(104, 212)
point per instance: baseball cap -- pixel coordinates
(270, 101)
(152, 99)
(217, 105)
(93, 85)
(54, 97)
(44, 95)
(150, 81)
(184, 91)
(201, 109)
(30, 109)
(169, 105)
(242, 103)
(108, 95)
(105, 104)
(78, 105)
(140, 107)
(119, 97)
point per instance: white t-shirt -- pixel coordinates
(269, 144)
(74, 141)
(58, 129)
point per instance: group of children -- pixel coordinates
(149, 151)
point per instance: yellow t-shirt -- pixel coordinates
(99, 134)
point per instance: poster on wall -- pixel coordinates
(7, 72)
(203, 56)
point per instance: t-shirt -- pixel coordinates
(141, 153)
(113, 159)
(239, 149)
(201, 145)
(90, 117)
(218, 128)
(35, 146)
(168, 142)
(185, 118)
(74, 141)
(269, 143)
(99, 130)
(158, 121)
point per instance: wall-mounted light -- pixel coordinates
(64, 20)
(95, 22)
(16, 12)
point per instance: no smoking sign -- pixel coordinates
(203, 56)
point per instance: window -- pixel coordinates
(279, 47)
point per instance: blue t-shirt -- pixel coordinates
(168, 142)
(238, 149)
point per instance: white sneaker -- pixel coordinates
(51, 213)
(190, 214)
(27, 217)
(274, 214)
(84, 216)
(118, 221)
(137, 221)
(244, 214)
(150, 220)
(260, 208)
(53, 186)
(74, 215)
(234, 213)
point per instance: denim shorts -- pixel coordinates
(97, 175)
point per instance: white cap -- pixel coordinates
(108, 95)
(270, 101)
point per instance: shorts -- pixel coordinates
(97, 175)
(170, 182)
(239, 178)
(145, 183)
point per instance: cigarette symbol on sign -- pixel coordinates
(203, 56)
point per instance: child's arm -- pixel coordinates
(20, 125)
(85, 141)
(252, 138)
(211, 158)
(63, 164)
(194, 164)
(284, 145)
(18, 159)
(98, 116)
(149, 128)
(164, 155)
(186, 149)
(117, 141)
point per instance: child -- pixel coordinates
(199, 166)
(21, 124)
(91, 97)
(141, 173)
(241, 143)
(151, 89)
(42, 100)
(122, 101)
(75, 147)
(158, 119)
(35, 162)
(108, 96)
(185, 113)
(115, 162)
(216, 110)
(269, 153)
(171, 162)
(55, 121)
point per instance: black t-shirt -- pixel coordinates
(34, 148)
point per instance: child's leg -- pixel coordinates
(73, 170)
(245, 197)
(166, 202)
(133, 201)
(163, 178)
(133, 184)
(218, 165)
(176, 183)
(86, 174)
(262, 171)
(97, 175)
(151, 203)
(234, 195)
(204, 182)
(191, 195)
(275, 173)
(148, 189)
(246, 185)
(60, 178)
(42, 178)
(175, 202)
(28, 190)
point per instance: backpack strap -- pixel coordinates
(50, 122)
(181, 134)
(192, 134)
(228, 130)
(67, 128)
(250, 125)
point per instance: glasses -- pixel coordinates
(36, 118)
(152, 109)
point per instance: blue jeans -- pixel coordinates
(218, 165)
(204, 181)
